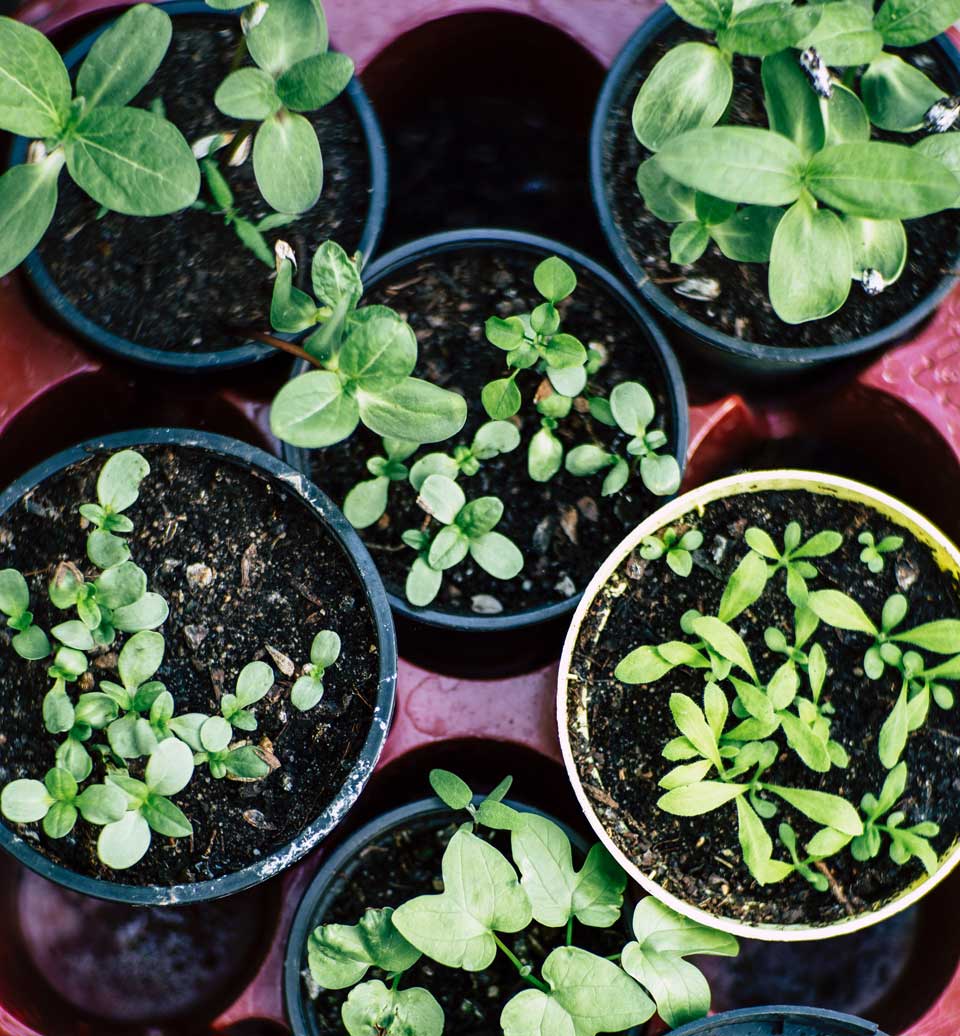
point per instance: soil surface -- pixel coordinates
(404, 863)
(245, 567)
(699, 858)
(563, 527)
(179, 282)
(743, 309)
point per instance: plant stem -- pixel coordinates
(570, 930)
(519, 965)
(278, 343)
(396, 981)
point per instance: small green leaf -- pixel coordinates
(28, 198)
(315, 81)
(693, 800)
(31, 643)
(757, 847)
(453, 791)
(793, 109)
(102, 804)
(25, 801)
(588, 995)
(744, 587)
(941, 636)
(380, 350)
(147, 613)
(441, 498)
(339, 956)
(810, 264)
(747, 236)
(840, 611)
(134, 162)
(704, 14)
(766, 28)
(905, 23)
(169, 768)
(248, 93)
(481, 896)
(374, 1010)
(747, 164)
(334, 275)
(879, 245)
(501, 399)
(725, 641)
(287, 162)
(665, 197)
(415, 410)
(124, 57)
(845, 34)
(290, 31)
(689, 88)
(312, 410)
(423, 583)
(643, 665)
(124, 843)
(554, 279)
(34, 85)
(497, 555)
(688, 242)
(366, 502)
(822, 807)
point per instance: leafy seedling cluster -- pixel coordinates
(127, 731)
(753, 711)
(364, 358)
(812, 194)
(486, 897)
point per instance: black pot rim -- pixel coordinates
(368, 578)
(225, 359)
(796, 357)
(826, 1023)
(330, 870)
(488, 237)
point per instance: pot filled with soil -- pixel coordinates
(572, 421)
(263, 128)
(485, 915)
(763, 731)
(774, 1021)
(707, 136)
(198, 667)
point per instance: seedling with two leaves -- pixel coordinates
(465, 529)
(293, 72)
(675, 547)
(873, 551)
(363, 358)
(485, 898)
(29, 641)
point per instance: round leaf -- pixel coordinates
(366, 502)
(632, 407)
(306, 693)
(554, 279)
(34, 85)
(877, 245)
(140, 658)
(102, 804)
(896, 94)
(25, 801)
(215, 734)
(495, 554)
(248, 93)
(124, 842)
(413, 410)
(312, 410)
(688, 88)
(28, 198)
(170, 767)
(315, 81)
(287, 163)
(255, 679)
(423, 583)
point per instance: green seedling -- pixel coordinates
(363, 359)
(308, 689)
(464, 529)
(222, 204)
(118, 487)
(873, 552)
(726, 748)
(488, 896)
(632, 410)
(293, 72)
(29, 641)
(675, 547)
(57, 801)
(128, 160)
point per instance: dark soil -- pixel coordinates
(699, 859)
(563, 527)
(404, 863)
(177, 282)
(142, 964)
(743, 309)
(243, 565)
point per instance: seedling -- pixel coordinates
(366, 503)
(465, 528)
(632, 410)
(720, 763)
(128, 160)
(486, 897)
(293, 72)
(675, 547)
(29, 641)
(308, 689)
(135, 712)
(846, 194)
(364, 358)
(873, 552)
(249, 233)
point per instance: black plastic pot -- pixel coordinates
(293, 483)
(780, 1021)
(249, 352)
(425, 622)
(701, 339)
(336, 873)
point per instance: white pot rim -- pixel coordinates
(945, 553)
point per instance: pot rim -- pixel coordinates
(947, 556)
(372, 589)
(841, 1024)
(250, 352)
(795, 357)
(674, 385)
